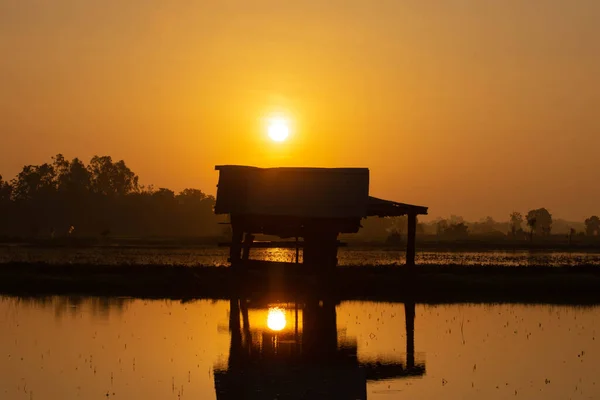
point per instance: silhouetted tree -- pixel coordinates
(399, 225)
(397, 230)
(455, 220)
(5, 192)
(72, 177)
(5, 206)
(532, 223)
(516, 220)
(375, 228)
(441, 226)
(65, 197)
(542, 221)
(33, 182)
(592, 226)
(453, 228)
(108, 178)
(457, 231)
(487, 226)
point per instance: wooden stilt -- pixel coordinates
(411, 240)
(320, 250)
(297, 250)
(235, 251)
(248, 240)
(409, 313)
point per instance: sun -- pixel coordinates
(278, 129)
(276, 319)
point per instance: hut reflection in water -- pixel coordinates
(303, 356)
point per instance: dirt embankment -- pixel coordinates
(431, 283)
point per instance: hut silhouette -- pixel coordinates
(315, 204)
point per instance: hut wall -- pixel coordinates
(298, 192)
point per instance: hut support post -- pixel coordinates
(248, 240)
(297, 251)
(411, 240)
(235, 251)
(409, 313)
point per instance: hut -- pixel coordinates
(315, 204)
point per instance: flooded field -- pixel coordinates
(93, 348)
(347, 256)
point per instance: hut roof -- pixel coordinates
(302, 192)
(298, 192)
(386, 208)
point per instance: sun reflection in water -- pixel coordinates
(276, 319)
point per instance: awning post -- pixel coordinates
(411, 240)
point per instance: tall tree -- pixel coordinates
(531, 223)
(441, 225)
(540, 221)
(110, 179)
(399, 225)
(592, 226)
(71, 176)
(516, 221)
(5, 191)
(544, 221)
(34, 182)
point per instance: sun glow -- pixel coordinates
(278, 129)
(276, 319)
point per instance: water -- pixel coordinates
(90, 348)
(212, 256)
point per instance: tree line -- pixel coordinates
(537, 223)
(67, 198)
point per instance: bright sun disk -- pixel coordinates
(278, 129)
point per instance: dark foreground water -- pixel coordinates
(347, 256)
(93, 348)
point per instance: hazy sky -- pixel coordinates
(471, 107)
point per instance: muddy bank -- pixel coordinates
(426, 284)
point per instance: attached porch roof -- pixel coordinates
(386, 208)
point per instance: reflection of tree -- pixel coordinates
(98, 306)
(67, 198)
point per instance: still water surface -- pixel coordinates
(94, 348)
(216, 256)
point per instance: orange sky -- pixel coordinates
(471, 107)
